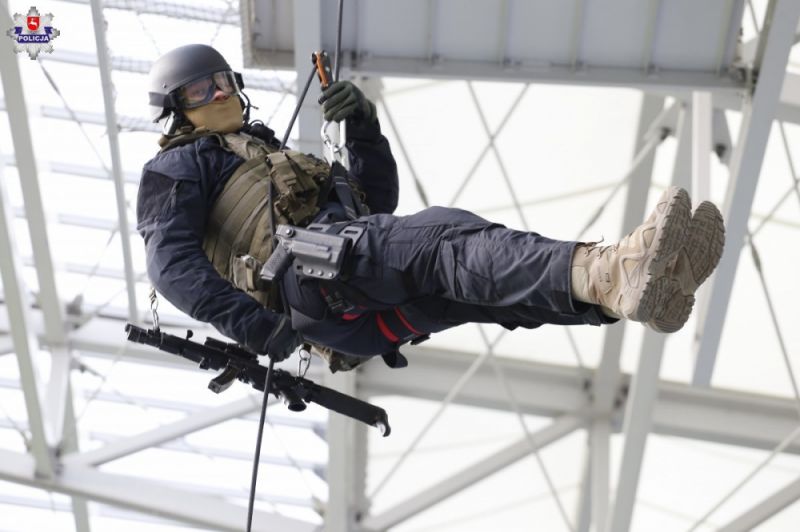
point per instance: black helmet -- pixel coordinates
(178, 67)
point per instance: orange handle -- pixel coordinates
(323, 64)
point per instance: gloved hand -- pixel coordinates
(343, 100)
(283, 340)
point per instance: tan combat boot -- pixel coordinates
(697, 258)
(634, 278)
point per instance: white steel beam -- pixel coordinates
(77, 221)
(600, 444)
(702, 131)
(182, 446)
(682, 169)
(179, 10)
(252, 79)
(344, 479)
(665, 80)
(112, 133)
(70, 444)
(721, 136)
(146, 496)
(764, 509)
(583, 519)
(759, 111)
(307, 39)
(473, 473)
(638, 423)
(191, 423)
(14, 96)
(788, 108)
(25, 344)
(46, 418)
(717, 415)
(81, 170)
(126, 123)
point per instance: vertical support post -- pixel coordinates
(702, 125)
(344, 478)
(307, 39)
(25, 345)
(70, 444)
(600, 438)
(775, 42)
(583, 520)
(112, 131)
(52, 416)
(31, 192)
(638, 422)
(682, 171)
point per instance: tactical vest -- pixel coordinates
(238, 233)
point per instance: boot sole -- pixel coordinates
(703, 248)
(672, 226)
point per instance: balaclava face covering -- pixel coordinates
(224, 116)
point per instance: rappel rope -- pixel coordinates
(305, 358)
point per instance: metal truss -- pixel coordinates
(252, 79)
(600, 401)
(178, 10)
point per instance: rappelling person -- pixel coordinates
(204, 213)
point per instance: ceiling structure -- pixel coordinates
(553, 429)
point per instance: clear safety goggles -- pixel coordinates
(201, 91)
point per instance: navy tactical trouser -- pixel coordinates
(433, 270)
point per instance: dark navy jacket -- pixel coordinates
(176, 193)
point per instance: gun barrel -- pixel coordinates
(349, 406)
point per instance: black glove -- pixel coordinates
(343, 100)
(283, 340)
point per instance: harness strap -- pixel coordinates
(353, 208)
(395, 327)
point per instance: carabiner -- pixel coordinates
(335, 151)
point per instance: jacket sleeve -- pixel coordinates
(373, 166)
(171, 210)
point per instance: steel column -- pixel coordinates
(346, 480)
(776, 41)
(702, 128)
(307, 39)
(638, 423)
(57, 384)
(682, 170)
(29, 182)
(112, 132)
(69, 444)
(17, 306)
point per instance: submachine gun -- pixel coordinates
(238, 363)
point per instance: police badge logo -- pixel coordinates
(33, 33)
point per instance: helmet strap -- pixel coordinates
(246, 105)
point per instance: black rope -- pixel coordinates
(336, 62)
(297, 107)
(270, 216)
(257, 457)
